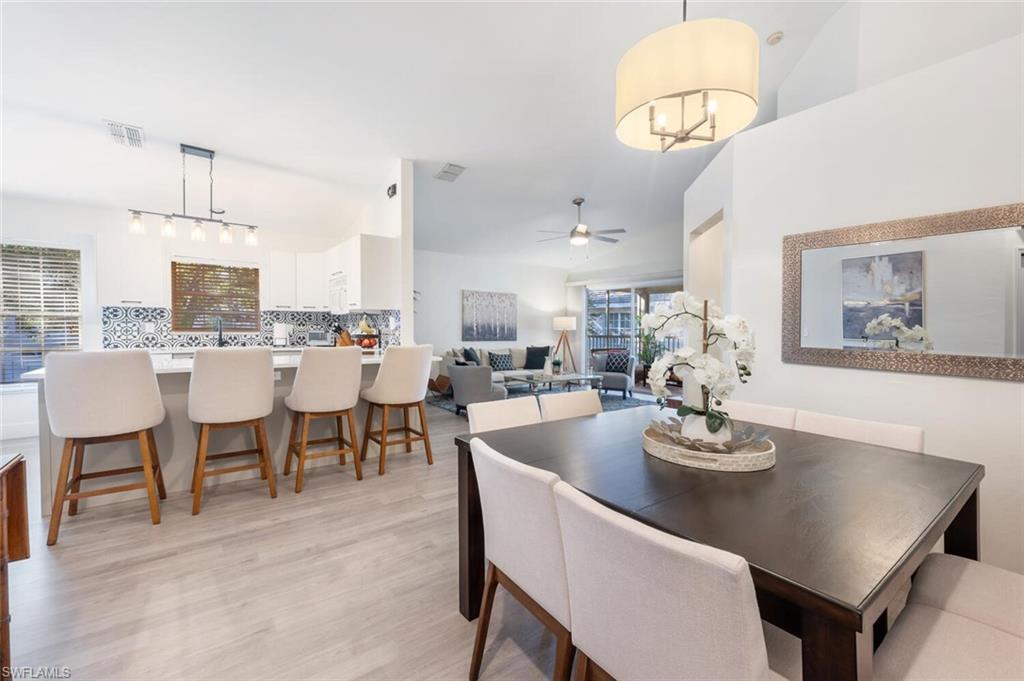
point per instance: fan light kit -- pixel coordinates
(198, 232)
(687, 85)
(580, 235)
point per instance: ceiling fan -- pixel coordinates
(580, 235)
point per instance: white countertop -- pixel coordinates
(166, 363)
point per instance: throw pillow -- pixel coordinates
(618, 362)
(470, 355)
(536, 356)
(501, 362)
(461, 363)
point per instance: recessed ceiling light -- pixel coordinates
(775, 38)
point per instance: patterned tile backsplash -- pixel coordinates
(126, 327)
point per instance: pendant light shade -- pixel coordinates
(687, 85)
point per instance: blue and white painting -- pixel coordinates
(877, 284)
(489, 316)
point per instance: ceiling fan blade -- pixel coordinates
(605, 239)
(554, 238)
(608, 231)
(551, 231)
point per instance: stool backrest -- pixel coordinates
(521, 525)
(94, 394)
(647, 605)
(327, 379)
(519, 411)
(231, 384)
(910, 438)
(569, 405)
(403, 375)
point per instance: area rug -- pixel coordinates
(611, 402)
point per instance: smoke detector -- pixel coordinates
(126, 135)
(449, 172)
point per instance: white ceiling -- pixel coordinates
(308, 104)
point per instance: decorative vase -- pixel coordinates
(696, 428)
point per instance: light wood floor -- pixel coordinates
(348, 580)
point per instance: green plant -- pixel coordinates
(650, 346)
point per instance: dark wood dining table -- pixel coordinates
(831, 532)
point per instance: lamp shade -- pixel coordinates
(719, 57)
(564, 324)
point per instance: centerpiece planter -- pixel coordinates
(704, 436)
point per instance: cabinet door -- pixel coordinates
(282, 281)
(131, 270)
(311, 281)
(380, 270)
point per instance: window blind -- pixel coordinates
(202, 293)
(40, 306)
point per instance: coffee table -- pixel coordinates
(566, 380)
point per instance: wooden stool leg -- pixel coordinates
(197, 483)
(156, 462)
(405, 422)
(195, 464)
(266, 463)
(60, 492)
(582, 667)
(291, 444)
(490, 586)
(366, 430)
(383, 439)
(564, 652)
(147, 470)
(76, 475)
(301, 470)
(341, 440)
(353, 439)
(425, 431)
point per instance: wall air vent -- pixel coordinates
(449, 172)
(126, 135)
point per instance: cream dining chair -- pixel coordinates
(761, 414)
(519, 411)
(910, 438)
(570, 405)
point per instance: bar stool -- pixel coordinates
(326, 385)
(401, 384)
(231, 388)
(96, 397)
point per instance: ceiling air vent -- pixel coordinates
(449, 172)
(126, 135)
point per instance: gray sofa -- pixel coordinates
(471, 384)
(518, 360)
(613, 380)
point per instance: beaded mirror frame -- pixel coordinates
(974, 366)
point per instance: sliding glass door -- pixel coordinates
(612, 316)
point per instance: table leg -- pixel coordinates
(961, 538)
(834, 653)
(471, 538)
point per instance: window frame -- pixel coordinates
(229, 327)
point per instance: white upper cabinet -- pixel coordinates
(311, 281)
(374, 272)
(131, 270)
(281, 282)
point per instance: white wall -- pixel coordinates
(866, 43)
(441, 277)
(886, 152)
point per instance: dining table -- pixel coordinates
(832, 533)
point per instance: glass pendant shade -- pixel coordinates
(251, 238)
(198, 231)
(225, 234)
(168, 229)
(135, 226)
(719, 57)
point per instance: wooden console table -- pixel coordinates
(13, 541)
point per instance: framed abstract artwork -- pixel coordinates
(489, 316)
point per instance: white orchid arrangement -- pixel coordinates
(886, 323)
(685, 315)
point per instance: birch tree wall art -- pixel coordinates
(488, 316)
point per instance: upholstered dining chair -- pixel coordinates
(326, 386)
(569, 405)
(231, 388)
(647, 605)
(97, 397)
(519, 411)
(401, 384)
(910, 438)
(524, 549)
(762, 414)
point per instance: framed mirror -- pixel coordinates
(942, 294)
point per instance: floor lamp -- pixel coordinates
(565, 325)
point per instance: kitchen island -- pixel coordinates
(177, 436)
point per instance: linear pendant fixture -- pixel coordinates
(198, 231)
(687, 85)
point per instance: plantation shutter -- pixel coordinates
(201, 293)
(40, 306)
